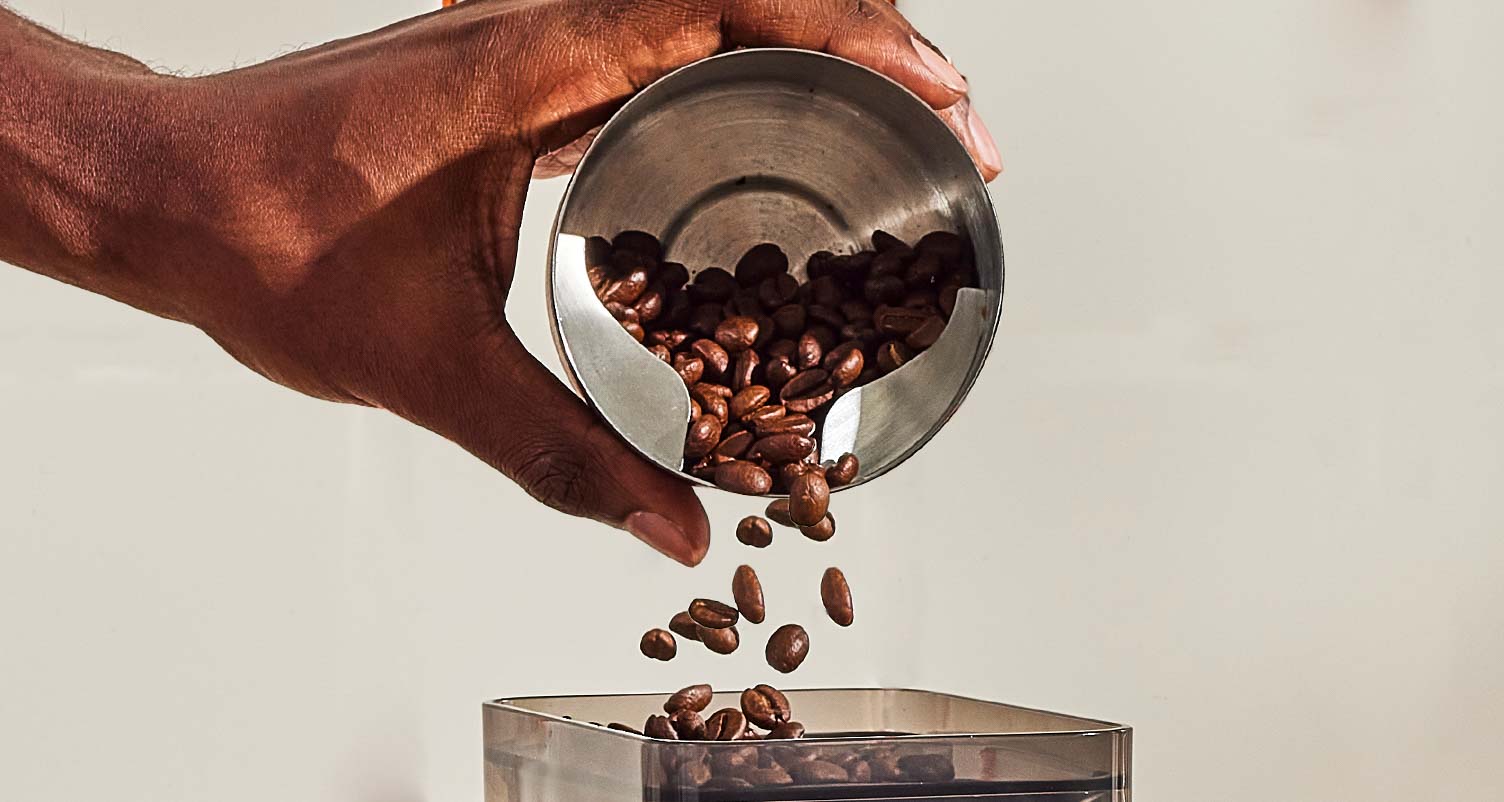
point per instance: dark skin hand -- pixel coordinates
(344, 220)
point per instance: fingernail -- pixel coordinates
(982, 140)
(943, 70)
(662, 534)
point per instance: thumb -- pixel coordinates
(502, 405)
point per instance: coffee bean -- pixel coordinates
(926, 335)
(688, 724)
(816, 772)
(883, 290)
(836, 595)
(859, 771)
(788, 730)
(777, 291)
(809, 498)
(944, 244)
(690, 697)
(684, 626)
(712, 614)
(726, 724)
(743, 477)
(622, 728)
(947, 300)
(712, 285)
(781, 448)
(778, 372)
(798, 423)
(791, 472)
(927, 768)
(755, 532)
(883, 241)
(641, 242)
(627, 289)
(659, 644)
(720, 782)
(732, 761)
(719, 409)
(743, 373)
(691, 774)
(743, 304)
(736, 334)
(746, 590)
(844, 364)
(704, 318)
(760, 263)
(749, 400)
(764, 416)
(662, 352)
(825, 335)
(673, 275)
(888, 265)
(765, 706)
(690, 368)
(789, 320)
(807, 391)
(771, 776)
(787, 648)
(808, 353)
(822, 531)
(720, 641)
(634, 329)
(892, 356)
(704, 434)
(734, 446)
(621, 312)
(660, 728)
(843, 472)
(884, 768)
(650, 306)
(673, 338)
(778, 512)
(898, 321)
(715, 357)
(825, 291)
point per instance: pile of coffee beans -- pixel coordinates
(764, 354)
(764, 715)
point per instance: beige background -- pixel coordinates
(1231, 476)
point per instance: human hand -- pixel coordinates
(344, 220)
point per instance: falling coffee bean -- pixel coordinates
(720, 641)
(660, 728)
(765, 706)
(746, 589)
(836, 595)
(787, 648)
(690, 697)
(778, 512)
(843, 472)
(786, 731)
(755, 532)
(684, 626)
(822, 531)
(809, 498)
(712, 614)
(659, 644)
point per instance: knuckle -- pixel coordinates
(551, 473)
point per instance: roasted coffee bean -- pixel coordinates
(706, 392)
(634, 329)
(712, 614)
(789, 320)
(746, 590)
(883, 241)
(819, 264)
(749, 400)
(744, 372)
(822, 531)
(883, 290)
(791, 472)
(764, 416)
(777, 291)
(766, 329)
(597, 251)
(809, 352)
(856, 311)
(888, 265)
(626, 289)
(688, 724)
(736, 334)
(924, 300)
(639, 241)
(825, 335)
(712, 285)
(620, 311)
(676, 309)
(809, 498)
(704, 434)
(684, 626)
(786, 731)
(673, 338)
(718, 782)
(797, 423)
(845, 363)
(884, 767)
(808, 391)
(927, 768)
(715, 357)
(734, 446)
(673, 275)
(770, 776)
(778, 512)
(704, 318)
(787, 648)
(726, 724)
(692, 774)
(720, 641)
(825, 316)
(782, 448)
(892, 355)
(826, 291)
(926, 335)
(733, 762)
(779, 372)
(765, 706)
(898, 321)
(662, 352)
(660, 728)
(743, 477)
(923, 271)
(836, 595)
(621, 728)
(761, 263)
(744, 303)
(690, 697)
(659, 644)
(650, 305)
(782, 349)
(944, 244)
(947, 300)
(755, 532)
(719, 409)
(690, 368)
(859, 771)
(816, 772)
(843, 472)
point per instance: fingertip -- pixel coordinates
(685, 542)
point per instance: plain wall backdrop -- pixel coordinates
(1231, 476)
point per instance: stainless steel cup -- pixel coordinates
(801, 149)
